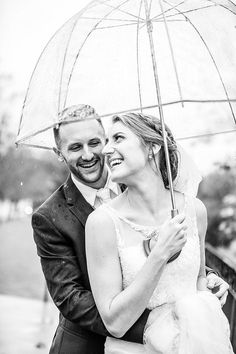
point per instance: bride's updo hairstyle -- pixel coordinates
(148, 129)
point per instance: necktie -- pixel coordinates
(104, 195)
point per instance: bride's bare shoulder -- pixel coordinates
(200, 208)
(98, 216)
(201, 215)
(100, 227)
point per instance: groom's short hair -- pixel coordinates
(72, 114)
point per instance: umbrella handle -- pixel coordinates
(146, 244)
(174, 212)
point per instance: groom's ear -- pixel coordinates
(59, 154)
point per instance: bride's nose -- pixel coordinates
(108, 149)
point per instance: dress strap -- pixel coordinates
(145, 231)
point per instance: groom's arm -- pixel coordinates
(63, 274)
(135, 333)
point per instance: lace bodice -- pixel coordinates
(179, 277)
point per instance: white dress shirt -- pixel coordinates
(91, 195)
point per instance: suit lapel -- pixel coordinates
(76, 202)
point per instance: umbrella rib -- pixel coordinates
(213, 60)
(231, 2)
(137, 59)
(168, 104)
(27, 136)
(180, 138)
(125, 12)
(169, 20)
(21, 140)
(158, 95)
(225, 7)
(171, 52)
(82, 45)
(164, 12)
(36, 65)
(160, 20)
(207, 134)
(149, 9)
(184, 12)
(116, 26)
(170, 9)
(108, 19)
(35, 146)
(63, 66)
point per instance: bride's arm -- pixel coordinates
(120, 308)
(202, 227)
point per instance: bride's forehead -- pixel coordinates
(118, 127)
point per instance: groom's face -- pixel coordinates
(81, 145)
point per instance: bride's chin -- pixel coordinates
(117, 178)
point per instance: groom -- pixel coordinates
(58, 227)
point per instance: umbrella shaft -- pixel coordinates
(158, 92)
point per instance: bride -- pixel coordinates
(185, 317)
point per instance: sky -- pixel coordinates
(25, 28)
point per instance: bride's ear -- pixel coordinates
(154, 149)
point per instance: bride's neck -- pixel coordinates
(147, 196)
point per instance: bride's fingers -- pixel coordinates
(182, 234)
(179, 218)
(223, 298)
(181, 227)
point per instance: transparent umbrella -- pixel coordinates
(174, 59)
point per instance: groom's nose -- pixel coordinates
(87, 154)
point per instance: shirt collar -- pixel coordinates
(90, 193)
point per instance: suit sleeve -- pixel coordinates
(64, 280)
(64, 277)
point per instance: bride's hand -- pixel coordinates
(171, 237)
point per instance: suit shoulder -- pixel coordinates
(49, 204)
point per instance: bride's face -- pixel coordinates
(126, 155)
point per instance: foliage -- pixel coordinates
(24, 175)
(218, 192)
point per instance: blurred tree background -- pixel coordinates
(218, 192)
(26, 176)
(25, 173)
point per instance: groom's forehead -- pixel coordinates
(82, 130)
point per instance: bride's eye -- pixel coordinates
(118, 138)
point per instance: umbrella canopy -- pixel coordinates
(138, 55)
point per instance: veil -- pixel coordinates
(189, 176)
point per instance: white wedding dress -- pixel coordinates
(183, 320)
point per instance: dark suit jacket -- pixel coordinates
(58, 227)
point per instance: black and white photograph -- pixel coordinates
(118, 177)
